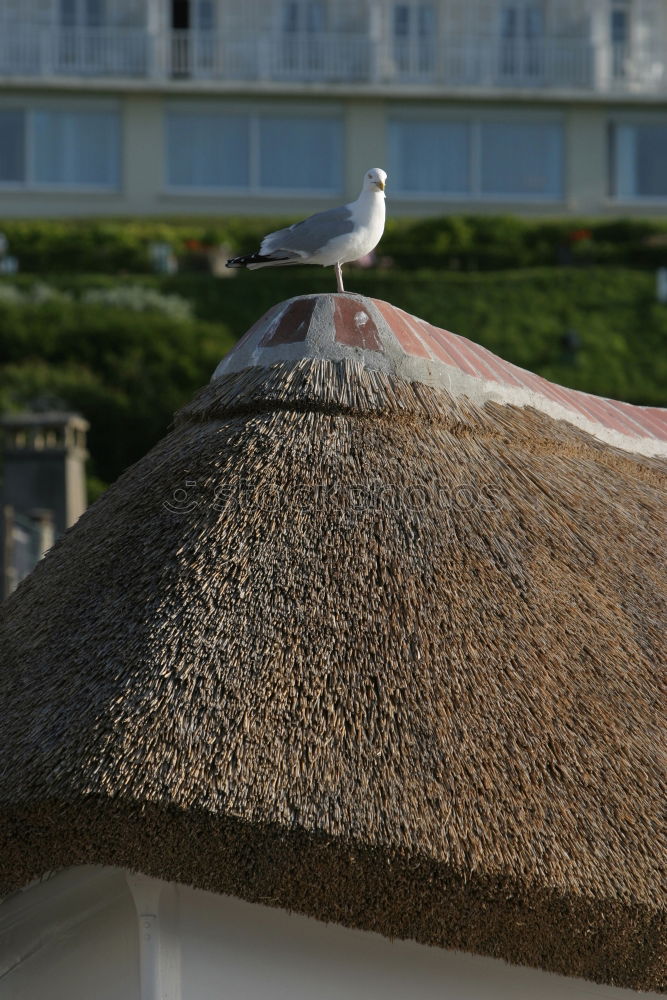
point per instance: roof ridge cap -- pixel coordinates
(381, 337)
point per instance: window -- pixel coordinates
(60, 148)
(300, 153)
(619, 31)
(180, 15)
(88, 13)
(481, 159)
(430, 157)
(414, 20)
(302, 51)
(639, 161)
(521, 32)
(521, 20)
(415, 29)
(12, 147)
(208, 150)
(206, 15)
(521, 159)
(619, 22)
(237, 150)
(93, 13)
(76, 148)
(304, 16)
(68, 13)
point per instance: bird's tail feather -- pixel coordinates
(255, 260)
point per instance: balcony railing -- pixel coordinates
(485, 61)
(27, 50)
(281, 57)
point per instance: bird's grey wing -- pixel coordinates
(312, 234)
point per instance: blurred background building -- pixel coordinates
(43, 490)
(192, 106)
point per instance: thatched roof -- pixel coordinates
(368, 637)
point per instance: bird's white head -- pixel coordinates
(375, 180)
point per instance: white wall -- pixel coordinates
(79, 937)
(73, 937)
(231, 950)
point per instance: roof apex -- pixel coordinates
(381, 337)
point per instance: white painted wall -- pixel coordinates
(73, 937)
(79, 937)
(243, 951)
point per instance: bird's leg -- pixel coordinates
(339, 277)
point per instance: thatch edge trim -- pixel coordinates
(353, 885)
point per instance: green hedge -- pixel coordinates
(128, 369)
(458, 242)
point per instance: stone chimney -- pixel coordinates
(44, 487)
(44, 465)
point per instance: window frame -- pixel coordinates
(475, 121)
(30, 109)
(254, 113)
(625, 121)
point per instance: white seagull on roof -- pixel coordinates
(333, 237)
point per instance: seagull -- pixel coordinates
(332, 237)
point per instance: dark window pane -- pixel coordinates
(315, 19)
(208, 150)
(301, 153)
(76, 148)
(429, 157)
(651, 161)
(533, 23)
(401, 20)
(206, 15)
(508, 22)
(94, 13)
(426, 20)
(522, 159)
(619, 27)
(12, 146)
(67, 11)
(291, 17)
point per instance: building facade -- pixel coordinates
(167, 107)
(43, 489)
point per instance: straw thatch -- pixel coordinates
(344, 644)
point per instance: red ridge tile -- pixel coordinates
(294, 323)
(354, 325)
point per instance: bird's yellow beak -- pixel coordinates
(379, 184)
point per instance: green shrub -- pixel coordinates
(126, 372)
(139, 298)
(452, 242)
